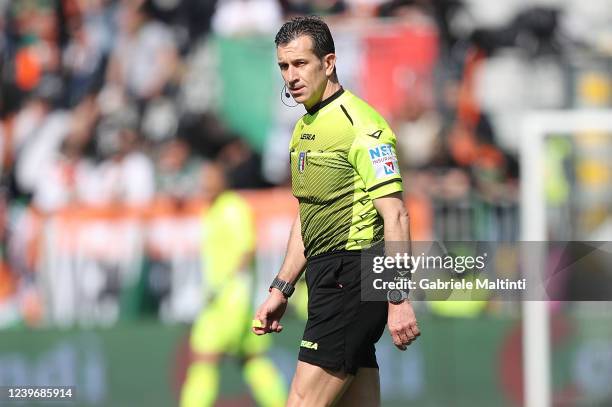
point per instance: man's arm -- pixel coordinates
(295, 262)
(271, 311)
(401, 320)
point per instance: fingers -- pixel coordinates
(401, 346)
(397, 340)
(259, 330)
(404, 334)
(276, 326)
(261, 326)
(414, 327)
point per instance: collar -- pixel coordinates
(318, 106)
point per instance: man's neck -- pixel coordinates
(331, 88)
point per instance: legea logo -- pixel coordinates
(309, 345)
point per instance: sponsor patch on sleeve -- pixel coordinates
(384, 160)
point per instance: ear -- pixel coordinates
(329, 62)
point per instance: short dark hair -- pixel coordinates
(312, 26)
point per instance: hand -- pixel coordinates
(402, 324)
(270, 313)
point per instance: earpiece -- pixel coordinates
(287, 95)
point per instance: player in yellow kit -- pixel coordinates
(224, 325)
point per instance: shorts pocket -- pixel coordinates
(323, 275)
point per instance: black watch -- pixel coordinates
(284, 287)
(396, 296)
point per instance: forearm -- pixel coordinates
(397, 232)
(401, 319)
(396, 223)
(295, 262)
(397, 228)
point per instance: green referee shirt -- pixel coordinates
(342, 157)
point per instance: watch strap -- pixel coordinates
(283, 286)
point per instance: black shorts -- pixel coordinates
(341, 329)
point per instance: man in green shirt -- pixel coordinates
(345, 175)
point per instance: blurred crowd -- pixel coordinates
(109, 102)
(95, 103)
(90, 100)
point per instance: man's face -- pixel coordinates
(303, 72)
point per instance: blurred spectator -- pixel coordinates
(318, 7)
(238, 17)
(159, 121)
(67, 179)
(61, 142)
(418, 133)
(97, 18)
(241, 165)
(453, 22)
(364, 8)
(3, 7)
(177, 171)
(398, 8)
(189, 19)
(40, 147)
(206, 133)
(34, 26)
(144, 59)
(127, 176)
(83, 61)
(33, 113)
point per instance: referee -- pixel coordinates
(345, 175)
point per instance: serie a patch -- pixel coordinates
(384, 160)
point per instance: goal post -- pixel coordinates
(536, 336)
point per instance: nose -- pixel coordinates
(292, 76)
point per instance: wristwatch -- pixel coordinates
(396, 296)
(284, 287)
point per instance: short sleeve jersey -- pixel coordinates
(343, 157)
(228, 234)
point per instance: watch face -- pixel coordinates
(394, 296)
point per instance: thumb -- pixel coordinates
(260, 323)
(263, 317)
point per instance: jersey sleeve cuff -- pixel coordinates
(385, 188)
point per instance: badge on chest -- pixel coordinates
(301, 161)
